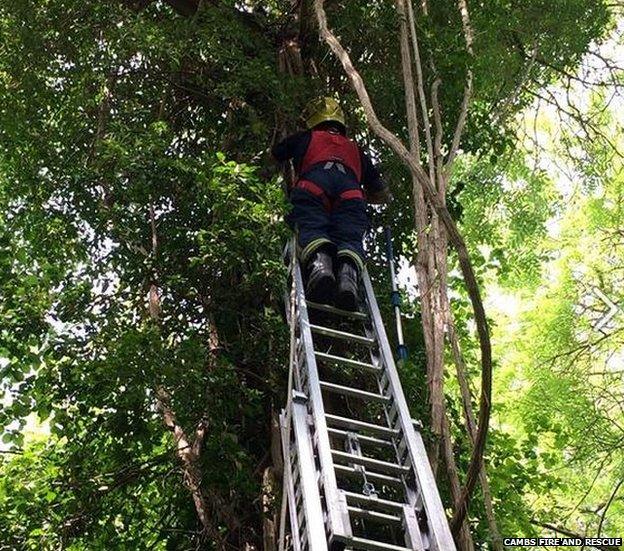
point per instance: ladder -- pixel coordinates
(356, 473)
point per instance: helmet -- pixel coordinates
(323, 110)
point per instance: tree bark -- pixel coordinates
(188, 450)
(464, 538)
(269, 516)
(430, 261)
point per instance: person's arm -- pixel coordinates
(375, 189)
(292, 147)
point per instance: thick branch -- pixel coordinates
(463, 538)
(421, 87)
(154, 298)
(408, 82)
(187, 453)
(424, 260)
(502, 110)
(471, 426)
(269, 516)
(188, 450)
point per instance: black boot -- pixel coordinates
(321, 281)
(347, 292)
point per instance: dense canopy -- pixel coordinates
(141, 273)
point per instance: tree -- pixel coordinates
(141, 235)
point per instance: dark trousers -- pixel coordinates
(329, 209)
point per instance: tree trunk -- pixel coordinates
(431, 268)
(464, 538)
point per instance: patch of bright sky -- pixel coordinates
(546, 121)
(34, 427)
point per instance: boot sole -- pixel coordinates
(323, 291)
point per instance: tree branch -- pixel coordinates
(463, 112)
(408, 82)
(604, 513)
(421, 87)
(187, 450)
(500, 114)
(471, 426)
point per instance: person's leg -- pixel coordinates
(311, 216)
(349, 222)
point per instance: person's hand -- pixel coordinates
(379, 197)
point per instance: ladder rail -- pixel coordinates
(293, 365)
(440, 535)
(289, 489)
(309, 487)
(337, 514)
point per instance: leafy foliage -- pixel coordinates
(133, 154)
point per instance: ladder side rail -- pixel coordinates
(413, 533)
(299, 377)
(289, 489)
(413, 537)
(440, 534)
(311, 498)
(338, 516)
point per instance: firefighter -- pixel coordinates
(335, 180)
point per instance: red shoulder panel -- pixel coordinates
(328, 146)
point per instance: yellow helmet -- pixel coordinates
(322, 110)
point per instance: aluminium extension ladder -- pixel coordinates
(356, 473)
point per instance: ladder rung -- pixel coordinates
(355, 392)
(370, 475)
(377, 464)
(361, 437)
(372, 545)
(346, 361)
(361, 499)
(365, 513)
(333, 310)
(354, 424)
(334, 333)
